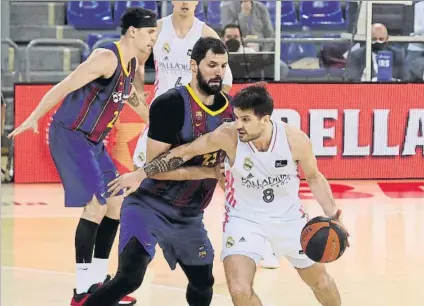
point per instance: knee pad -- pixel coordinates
(199, 297)
(202, 280)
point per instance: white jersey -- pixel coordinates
(263, 185)
(172, 55)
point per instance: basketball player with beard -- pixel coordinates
(177, 34)
(169, 209)
(262, 193)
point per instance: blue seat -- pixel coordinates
(321, 14)
(291, 52)
(93, 38)
(288, 14)
(121, 6)
(90, 14)
(214, 13)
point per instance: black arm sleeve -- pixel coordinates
(166, 117)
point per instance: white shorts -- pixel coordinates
(139, 157)
(244, 237)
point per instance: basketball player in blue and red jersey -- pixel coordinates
(94, 95)
(169, 209)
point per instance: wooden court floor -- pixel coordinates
(383, 267)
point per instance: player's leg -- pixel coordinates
(313, 274)
(83, 186)
(136, 249)
(191, 247)
(108, 227)
(321, 283)
(243, 247)
(200, 284)
(240, 271)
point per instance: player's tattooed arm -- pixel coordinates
(220, 139)
(138, 97)
(162, 164)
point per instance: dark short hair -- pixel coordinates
(204, 44)
(230, 26)
(137, 17)
(255, 98)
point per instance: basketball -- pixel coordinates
(323, 240)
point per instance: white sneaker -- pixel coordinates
(270, 262)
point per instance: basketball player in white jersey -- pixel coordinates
(262, 187)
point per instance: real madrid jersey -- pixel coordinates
(263, 184)
(172, 55)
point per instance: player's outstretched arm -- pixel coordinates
(220, 139)
(302, 151)
(101, 63)
(166, 166)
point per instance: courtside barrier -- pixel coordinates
(358, 131)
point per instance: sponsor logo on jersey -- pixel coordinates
(270, 181)
(280, 163)
(189, 51)
(178, 67)
(247, 164)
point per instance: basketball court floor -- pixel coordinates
(383, 267)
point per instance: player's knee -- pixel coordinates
(203, 284)
(94, 211)
(240, 290)
(114, 205)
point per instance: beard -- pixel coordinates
(205, 87)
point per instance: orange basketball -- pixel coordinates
(323, 240)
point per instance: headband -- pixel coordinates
(146, 21)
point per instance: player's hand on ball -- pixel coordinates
(29, 123)
(129, 182)
(338, 218)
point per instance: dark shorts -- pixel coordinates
(84, 167)
(181, 236)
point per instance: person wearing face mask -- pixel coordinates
(231, 35)
(357, 62)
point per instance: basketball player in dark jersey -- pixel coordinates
(94, 95)
(169, 209)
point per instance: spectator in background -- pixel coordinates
(415, 55)
(357, 62)
(253, 19)
(232, 37)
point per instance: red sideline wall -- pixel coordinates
(359, 131)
